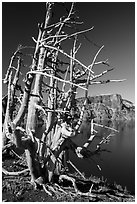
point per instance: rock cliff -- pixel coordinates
(109, 107)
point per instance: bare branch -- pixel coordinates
(76, 33)
(20, 47)
(78, 48)
(105, 140)
(54, 36)
(107, 81)
(48, 75)
(76, 169)
(5, 80)
(104, 126)
(55, 25)
(64, 53)
(79, 74)
(89, 74)
(94, 59)
(64, 21)
(71, 9)
(102, 62)
(34, 40)
(103, 73)
(89, 141)
(74, 22)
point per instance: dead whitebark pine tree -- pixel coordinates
(46, 144)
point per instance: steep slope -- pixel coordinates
(109, 107)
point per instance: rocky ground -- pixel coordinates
(19, 188)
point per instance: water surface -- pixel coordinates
(118, 165)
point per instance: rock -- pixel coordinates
(109, 107)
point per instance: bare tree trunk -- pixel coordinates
(32, 120)
(6, 134)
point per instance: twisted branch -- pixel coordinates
(48, 75)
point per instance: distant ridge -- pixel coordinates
(110, 107)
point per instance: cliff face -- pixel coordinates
(110, 107)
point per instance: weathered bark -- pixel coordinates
(14, 87)
(6, 134)
(35, 99)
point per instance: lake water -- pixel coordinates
(118, 165)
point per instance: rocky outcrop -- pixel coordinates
(110, 107)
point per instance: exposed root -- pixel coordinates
(60, 189)
(113, 197)
(45, 189)
(9, 173)
(52, 189)
(78, 192)
(69, 179)
(16, 154)
(88, 194)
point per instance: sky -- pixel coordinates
(114, 27)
